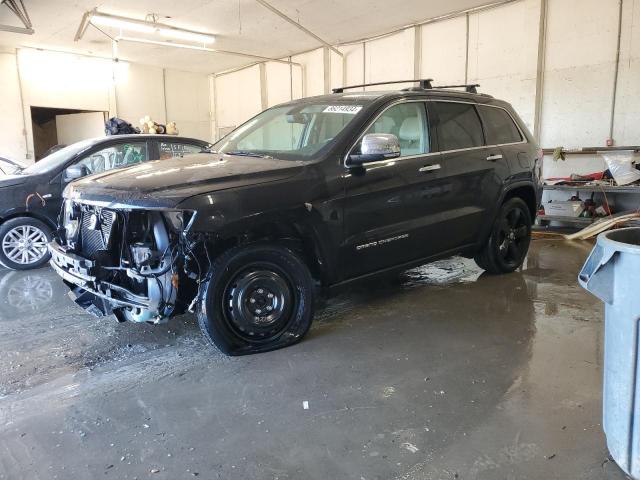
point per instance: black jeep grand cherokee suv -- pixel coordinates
(318, 191)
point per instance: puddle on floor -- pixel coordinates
(443, 272)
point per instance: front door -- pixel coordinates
(115, 155)
(392, 206)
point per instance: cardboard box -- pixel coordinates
(564, 209)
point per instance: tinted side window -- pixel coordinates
(499, 126)
(458, 126)
(408, 122)
(116, 156)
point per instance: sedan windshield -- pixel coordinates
(295, 133)
(57, 158)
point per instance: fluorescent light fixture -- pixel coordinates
(143, 26)
(134, 26)
(186, 35)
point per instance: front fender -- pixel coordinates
(299, 208)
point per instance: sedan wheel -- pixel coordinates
(23, 243)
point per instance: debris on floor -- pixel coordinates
(604, 225)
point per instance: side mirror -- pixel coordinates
(74, 172)
(375, 147)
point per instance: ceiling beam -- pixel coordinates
(290, 20)
(20, 11)
(9, 28)
(202, 49)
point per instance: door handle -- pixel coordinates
(430, 168)
(493, 158)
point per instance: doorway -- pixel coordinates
(57, 127)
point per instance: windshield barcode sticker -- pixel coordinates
(352, 109)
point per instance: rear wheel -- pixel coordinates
(508, 243)
(258, 298)
(23, 243)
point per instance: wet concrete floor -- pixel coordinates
(445, 373)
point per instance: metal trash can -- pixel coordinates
(612, 273)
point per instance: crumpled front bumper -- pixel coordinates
(82, 276)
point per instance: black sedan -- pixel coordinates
(31, 198)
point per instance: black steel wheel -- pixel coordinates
(509, 241)
(258, 298)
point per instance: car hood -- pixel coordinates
(165, 183)
(12, 180)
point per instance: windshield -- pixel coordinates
(57, 159)
(8, 167)
(289, 132)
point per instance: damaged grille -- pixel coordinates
(96, 230)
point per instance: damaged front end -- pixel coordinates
(135, 264)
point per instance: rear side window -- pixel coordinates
(499, 126)
(175, 149)
(458, 126)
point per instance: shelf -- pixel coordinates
(572, 220)
(595, 188)
(591, 150)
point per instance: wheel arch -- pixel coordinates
(43, 218)
(303, 237)
(527, 193)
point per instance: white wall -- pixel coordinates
(72, 128)
(187, 100)
(503, 52)
(142, 94)
(389, 58)
(312, 72)
(580, 55)
(502, 48)
(627, 119)
(238, 97)
(354, 63)
(12, 132)
(58, 80)
(446, 63)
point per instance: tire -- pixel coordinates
(509, 241)
(257, 298)
(13, 234)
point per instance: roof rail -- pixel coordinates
(425, 83)
(469, 88)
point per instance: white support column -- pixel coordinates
(264, 101)
(417, 51)
(327, 69)
(542, 48)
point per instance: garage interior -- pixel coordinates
(444, 372)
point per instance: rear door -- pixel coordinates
(503, 133)
(474, 171)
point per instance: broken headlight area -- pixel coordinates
(135, 264)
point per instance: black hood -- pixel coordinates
(165, 183)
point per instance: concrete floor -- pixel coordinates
(443, 374)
